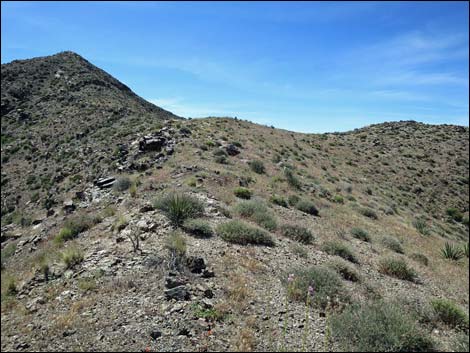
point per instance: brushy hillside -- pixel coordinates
(156, 233)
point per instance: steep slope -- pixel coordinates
(60, 116)
(117, 269)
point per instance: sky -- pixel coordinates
(301, 66)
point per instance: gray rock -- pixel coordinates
(178, 293)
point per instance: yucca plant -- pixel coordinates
(179, 207)
(465, 250)
(452, 252)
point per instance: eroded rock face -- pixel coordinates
(152, 143)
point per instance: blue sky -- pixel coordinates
(308, 67)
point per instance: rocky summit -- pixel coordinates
(127, 228)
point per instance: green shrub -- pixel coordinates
(278, 200)
(239, 232)
(325, 282)
(421, 226)
(368, 212)
(461, 343)
(122, 183)
(242, 193)
(176, 245)
(452, 252)
(392, 244)
(360, 234)
(72, 257)
(297, 233)
(449, 313)
(258, 212)
(299, 250)
(338, 249)
(307, 206)
(345, 270)
(198, 228)
(257, 166)
(422, 259)
(397, 268)
(179, 207)
(465, 250)
(221, 159)
(293, 200)
(454, 214)
(378, 327)
(338, 199)
(292, 180)
(74, 226)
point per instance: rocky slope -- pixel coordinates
(131, 278)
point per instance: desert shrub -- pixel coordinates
(221, 159)
(278, 200)
(345, 270)
(242, 193)
(122, 183)
(392, 244)
(451, 252)
(378, 327)
(298, 250)
(292, 180)
(297, 233)
(258, 212)
(7, 252)
(71, 257)
(421, 226)
(179, 207)
(257, 166)
(326, 283)
(198, 228)
(422, 259)
(307, 206)
(449, 313)
(360, 234)
(368, 212)
(239, 232)
(397, 268)
(454, 214)
(461, 343)
(293, 200)
(339, 249)
(338, 199)
(176, 245)
(76, 225)
(465, 250)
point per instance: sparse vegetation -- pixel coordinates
(258, 212)
(452, 252)
(278, 200)
(239, 232)
(257, 166)
(397, 268)
(308, 207)
(122, 183)
(297, 233)
(449, 313)
(325, 282)
(378, 327)
(393, 244)
(339, 249)
(72, 257)
(198, 227)
(360, 234)
(242, 193)
(344, 269)
(422, 259)
(421, 226)
(176, 245)
(179, 207)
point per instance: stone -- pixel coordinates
(155, 334)
(104, 183)
(177, 293)
(195, 264)
(208, 274)
(69, 206)
(174, 282)
(232, 150)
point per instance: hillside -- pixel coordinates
(99, 251)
